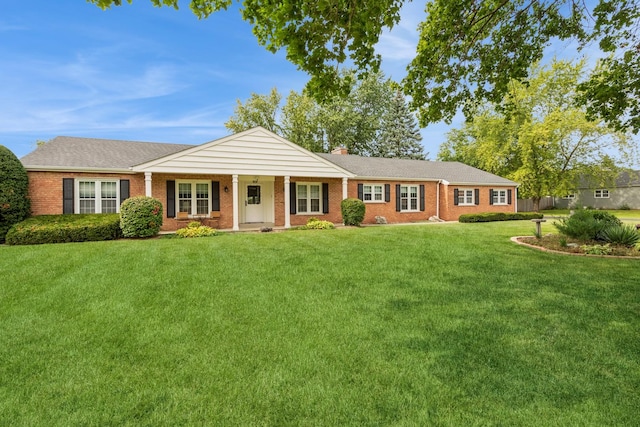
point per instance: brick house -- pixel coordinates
(253, 177)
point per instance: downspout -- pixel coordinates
(438, 199)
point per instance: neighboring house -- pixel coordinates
(626, 192)
(253, 177)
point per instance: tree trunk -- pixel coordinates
(536, 204)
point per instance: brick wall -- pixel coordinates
(450, 212)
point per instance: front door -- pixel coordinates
(254, 209)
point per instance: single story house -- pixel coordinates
(625, 192)
(253, 177)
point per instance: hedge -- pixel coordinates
(499, 216)
(353, 211)
(65, 228)
(140, 216)
(14, 186)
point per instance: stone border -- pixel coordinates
(515, 239)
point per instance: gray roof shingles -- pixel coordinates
(93, 153)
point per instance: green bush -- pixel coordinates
(596, 249)
(140, 216)
(318, 224)
(14, 188)
(65, 228)
(499, 216)
(195, 229)
(625, 235)
(586, 224)
(353, 211)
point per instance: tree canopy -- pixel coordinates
(14, 189)
(468, 50)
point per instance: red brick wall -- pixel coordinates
(451, 212)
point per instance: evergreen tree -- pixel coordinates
(14, 187)
(400, 136)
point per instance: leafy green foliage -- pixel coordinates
(353, 211)
(587, 224)
(14, 188)
(499, 216)
(596, 249)
(318, 224)
(259, 110)
(65, 228)
(399, 136)
(140, 216)
(195, 229)
(625, 235)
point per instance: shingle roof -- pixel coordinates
(376, 167)
(94, 153)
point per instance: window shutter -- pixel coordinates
(171, 199)
(67, 195)
(387, 193)
(398, 202)
(509, 197)
(215, 196)
(325, 197)
(455, 196)
(292, 198)
(124, 190)
(476, 194)
(491, 196)
(422, 197)
(360, 191)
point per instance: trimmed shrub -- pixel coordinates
(14, 188)
(499, 216)
(586, 224)
(624, 235)
(140, 217)
(353, 211)
(65, 228)
(318, 224)
(195, 229)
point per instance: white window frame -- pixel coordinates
(601, 193)
(372, 193)
(498, 195)
(569, 196)
(308, 198)
(464, 194)
(194, 197)
(409, 198)
(97, 182)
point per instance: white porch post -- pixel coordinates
(147, 184)
(345, 188)
(236, 221)
(287, 202)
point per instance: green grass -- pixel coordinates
(622, 214)
(444, 324)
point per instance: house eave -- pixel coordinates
(44, 168)
(391, 178)
(485, 184)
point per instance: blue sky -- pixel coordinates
(137, 72)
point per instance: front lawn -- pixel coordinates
(622, 214)
(436, 324)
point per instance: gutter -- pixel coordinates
(77, 169)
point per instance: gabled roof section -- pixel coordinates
(256, 151)
(382, 168)
(93, 154)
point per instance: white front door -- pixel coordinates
(254, 204)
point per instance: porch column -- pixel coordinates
(147, 184)
(345, 188)
(236, 221)
(287, 202)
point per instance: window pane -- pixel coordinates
(108, 190)
(87, 206)
(302, 191)
(414, 191)
(315, 191)
(202, 191)
(404, 191)
(378, 192)
(185, 206)
(184, 190)
(414, 204)
(109, 206)
(404, 204)
(302, 205)
(87, 189)
(202, 207)
(315, 205)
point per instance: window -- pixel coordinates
(465, 197)
(499, 197)
(97, 196)
(569, 196)
(372, 193)
(601, 194)
(308, 198)
(194, 198)
(408, 198)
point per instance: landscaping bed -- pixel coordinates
(558, 243)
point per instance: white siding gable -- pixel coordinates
(253, 152)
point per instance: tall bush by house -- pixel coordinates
(140, 216)
(14, 188)
(353, 211)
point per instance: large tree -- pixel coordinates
(14, 188)
(400, 136)
(538, 137)
(467, 53)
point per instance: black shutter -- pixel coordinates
(215, 196)
(422, 197)
(360, 191)
(325, 197)
(509, 196)
(387, 193)
(491, 196)
(124, 190)
(292, 197)
(171, 199)
(455, 196)
(67, 195)
(476, 193)
(398, 202)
